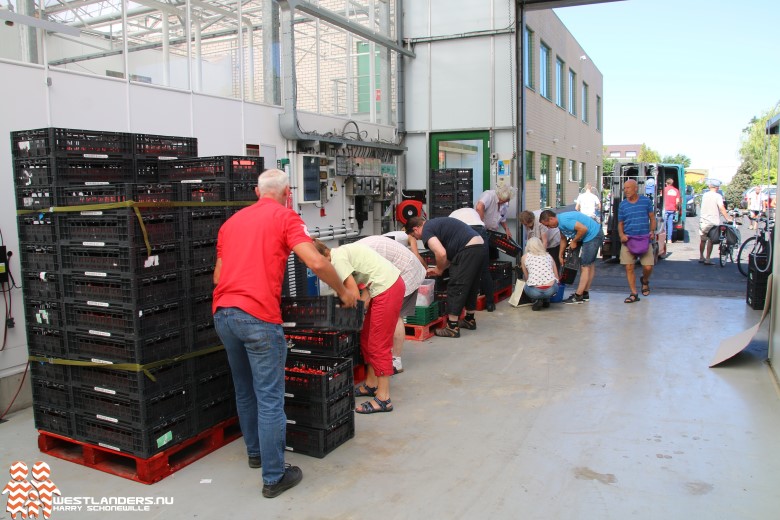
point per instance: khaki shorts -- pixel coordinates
(627, 258)
(704, 229)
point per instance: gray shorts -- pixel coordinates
(407, 307)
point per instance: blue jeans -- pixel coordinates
(669, 219)
(257, 352)
(541, 294)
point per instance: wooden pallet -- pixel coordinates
(501, 294)
(423, 332)
(146, 471)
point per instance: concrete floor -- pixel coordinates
(595, 411)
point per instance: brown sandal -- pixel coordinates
(632, 298)
(446, 332)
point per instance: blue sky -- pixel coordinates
(683, 76)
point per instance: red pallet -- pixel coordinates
(423, 332)
(499, 295)
(145, 471)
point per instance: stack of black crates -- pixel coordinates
(759, 269)
(322, 340)
(101, 289)
(501, 272)
(451, 189)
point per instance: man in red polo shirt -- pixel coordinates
(671, 207)
(252, 250)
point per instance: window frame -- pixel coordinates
(528, 49)
(560, 82)
(544, 70)
(572, 92)
(585, 91)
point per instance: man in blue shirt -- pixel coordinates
(577, 228)
(636, 226)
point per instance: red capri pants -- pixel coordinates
(376, 337)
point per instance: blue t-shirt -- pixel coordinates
(566, 222)
(451, 232)
(635, 216)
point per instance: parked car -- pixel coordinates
(692, 202)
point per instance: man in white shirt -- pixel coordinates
(711, 209)
(588, 203)
(757, 202)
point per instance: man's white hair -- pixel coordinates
(272, 182)
(504, 191)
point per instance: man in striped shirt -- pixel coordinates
(636, 221)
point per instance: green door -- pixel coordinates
(463, 150)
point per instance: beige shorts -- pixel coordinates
(627, 258)
(704, 229)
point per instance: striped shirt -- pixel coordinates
(635, 216)
(412, 271)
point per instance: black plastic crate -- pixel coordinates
(328, 343)
(211, 363)
(296, 278)
(443, 174)
(69, 142)
(61, 171)
(41, 286)
(146, 170)
(34, 198)
(200, 281)
(167, 146)
(126, 384)
(226, 168)
(500, 269)
(313, 378)
(320, 312)
(201, 253)
(50, 372)
(212, 385)
(116, 289)
(200, 308)
(447, 185)
(214, 411)
(203, 223)
(54, 420)
(463, 198)
(319, 414)
(138, 321)
(44, 313)
(46, 342)
(203, 335)
(51, 393)
(756, 262)
(38, 228)
(503, 243)
(97, 346)
(138, 412)
(120, 226)
(114, 193)
(318, 442)
(242, 191)
(40, 258)
(208, 191)
(139, 441)
(125, 259)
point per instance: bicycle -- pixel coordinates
(757, 246)
(728, 238)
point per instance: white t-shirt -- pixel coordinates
(711, 202)
(588, 203)
(756, 201)
(467, 216)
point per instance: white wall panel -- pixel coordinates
(416, 18)
(417, 90)
(218, 126)
(159, 111)
(417, 162)
(504, 73)
(461, 80)
(448, 17)
(89, 102)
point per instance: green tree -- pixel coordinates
(741, 181)
(677, 159)
(758, 151)
(648, 155)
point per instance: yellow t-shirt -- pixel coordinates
(366, 266)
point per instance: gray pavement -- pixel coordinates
(680, 273)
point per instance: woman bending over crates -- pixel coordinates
(382, 289)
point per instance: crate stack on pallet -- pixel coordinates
(322, 339)
(759, 269)
(451, 189)
(501, 272)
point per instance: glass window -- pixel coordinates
(630, 154)
(544, 70)
(559, 182)
(18, 41)
(560, 83)
(581, 175)
(598, 113)
(529, 166)
(528, 50)
(614, 154)
(572, 170)
(572, 93)
(584, 102)
(544, 181)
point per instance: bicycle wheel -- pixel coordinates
(763, 250)
(743, 257)
(723, 253)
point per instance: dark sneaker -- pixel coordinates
(255, 462)
(586, 296)
(546, 303)
(573, 299)
(447, 332)
(490, 307)
(468, 324)
(537, 306)
(292, 477)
